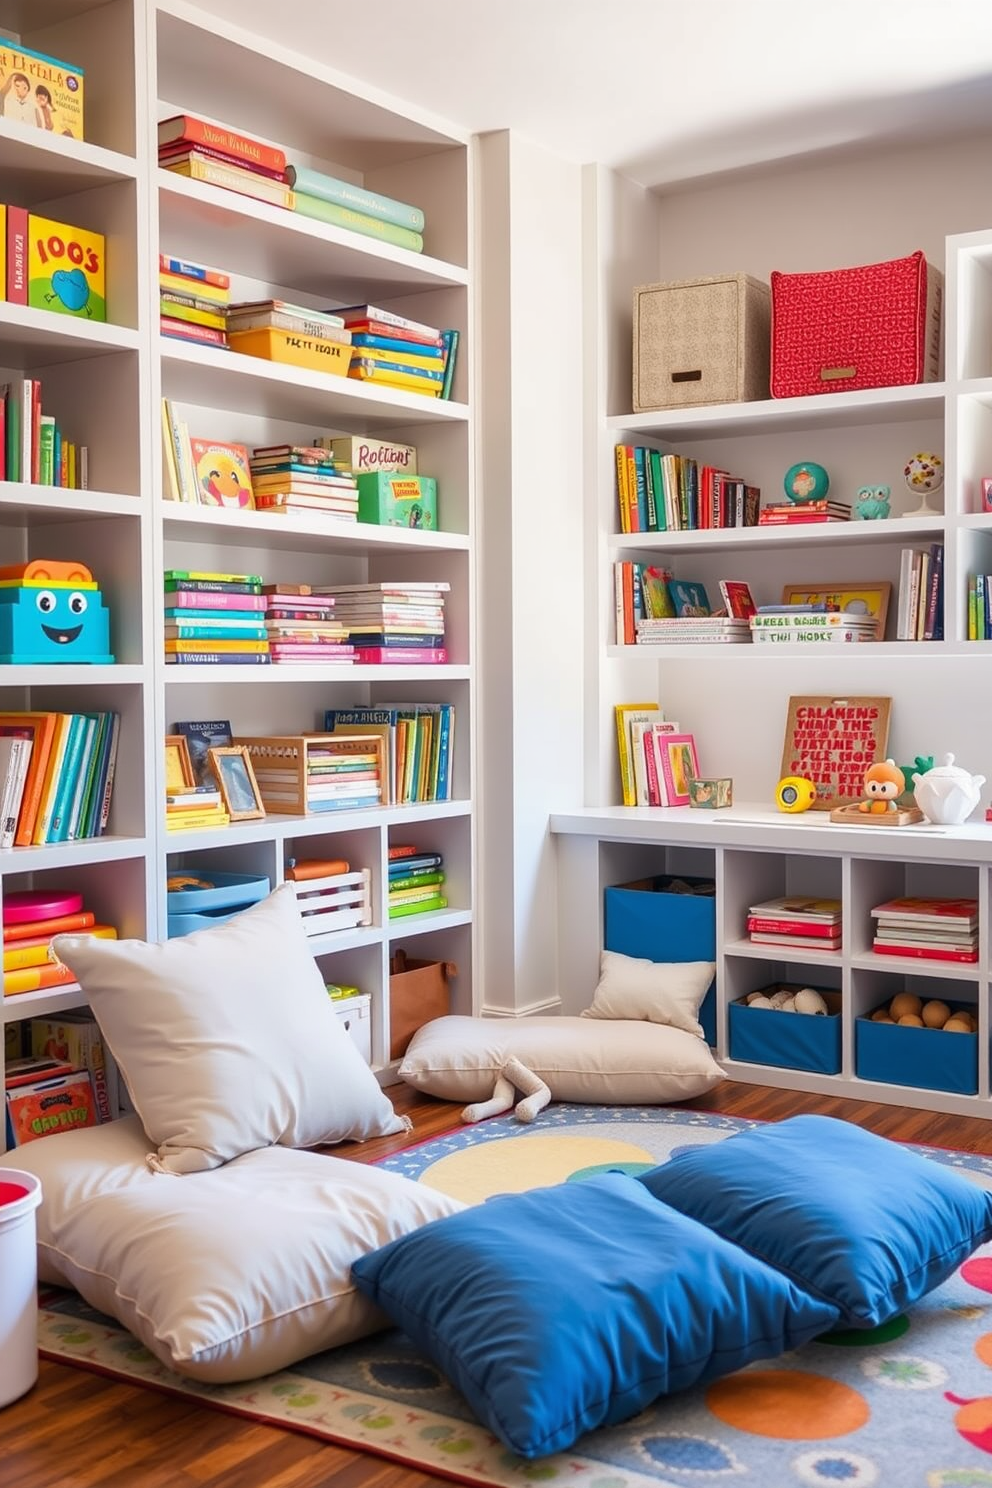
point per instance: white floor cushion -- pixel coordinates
(229, 1274)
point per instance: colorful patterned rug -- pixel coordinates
(906, 1406)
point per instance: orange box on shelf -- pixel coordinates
(57, 1104)
(311, 352)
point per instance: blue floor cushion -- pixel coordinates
(567, 1308)
(859, 1221)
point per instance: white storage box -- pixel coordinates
(355, 1014)
(339, 902)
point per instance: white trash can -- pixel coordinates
(20, 1195)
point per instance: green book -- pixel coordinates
(324, 211)
(419, 907)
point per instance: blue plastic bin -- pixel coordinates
(788, 1040)
(195, 909)
(644, 919)
(922, 1058)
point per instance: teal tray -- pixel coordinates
(195, 909)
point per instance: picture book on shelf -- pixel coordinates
(66, 269)
(222, 474)
(39, 91)
(737, 598)
(689, 597)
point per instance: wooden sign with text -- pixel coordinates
(832, 741)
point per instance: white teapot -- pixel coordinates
(947, 794)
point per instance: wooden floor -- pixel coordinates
(79, 1430)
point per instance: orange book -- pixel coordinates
(34, 978)
(240, 146)
(49, 787)
(42, 726)
(38, 929)
(33, 950)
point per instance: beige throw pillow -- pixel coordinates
(620, 1063)
(227, 1039)
(652, 991)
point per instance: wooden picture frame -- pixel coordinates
(868, 598)
(179, 774)
(832, 741)
(232, 769)
(679, 765)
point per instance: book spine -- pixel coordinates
(345, 194)
(244, 149)
(450, 338)
(184, 330)
(397, 911)
(215, 658)
(193, 271)
(108, 784)
(793, 927)
(181, 151)
(16, 768)
(236, 178)
(373, 227)
(17, 256)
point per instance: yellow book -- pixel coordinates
(193, 316)
(369, 372)
(188, 821)
(625, 714)
(27, 953)
(194, 288)
(171, 489)
(49, 788)
(434, 363)
(191, 646)
(67, 269)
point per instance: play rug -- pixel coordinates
(906, 1406)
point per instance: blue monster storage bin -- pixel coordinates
(922, 1058)
(193, 908)
(646, 919)
(787, 1040)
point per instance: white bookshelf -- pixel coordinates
(146, 61)
(734, 699)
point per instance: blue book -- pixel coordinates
(386, 343)
(689, 597)
(349, 803)
(191, 615)
(58, 827)
(86, 758)
(218, 658)
(398, 367)
(356, 198)
(92, 769)
(218, 633)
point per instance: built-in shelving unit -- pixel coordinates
(144, 62)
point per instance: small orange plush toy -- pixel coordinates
(884, 781)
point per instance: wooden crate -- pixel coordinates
(282, 763)
(339, 902)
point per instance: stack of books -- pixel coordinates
(340, 776)
(33, 447)
(692, 629)
(283, 315)
(301, 626)
(30, 920)
(793, 513)
(795, 920)
(193, 301)
(392, 622)
(200, 151)
(302, 478)
(214, 618)
(194, 809)
(56, 776)
(416, 882)
(343, 204)
(810, 624)
(935, 929)
(394, 351)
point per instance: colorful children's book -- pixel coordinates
(40, 91)
(201, 737)
(689, 597)
(222, 474)
(737, 598)
(66, 268)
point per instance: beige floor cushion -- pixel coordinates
(228, 1274)
(586, 1060)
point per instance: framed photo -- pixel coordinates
(179, 774)
(857, 599)
(987, 493)
(679, 765)
(236, 779)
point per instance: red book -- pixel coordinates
(926, 953)
(238, 147)
(922, 909)
(17, 255)
(184, 330)
(383, 655)
(827, 930)
(180, 152)
(381, 328)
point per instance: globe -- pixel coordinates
(806, 481)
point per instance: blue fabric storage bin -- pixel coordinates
(924, 1058)
(788, 1040)
(642, 919)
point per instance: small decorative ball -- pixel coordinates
(779, 997)
(806, 481)
(935, 1014)
(808, 1000)
(759, 1002)
(788, 1006)
(903, 1003)
(924, 472)
(957, 1024)
(910, 1020)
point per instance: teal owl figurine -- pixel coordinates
(872, 502)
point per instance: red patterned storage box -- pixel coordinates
(877, 325)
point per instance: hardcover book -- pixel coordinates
(66, 269)
(250, 152)
(40, 91)
(222, 474)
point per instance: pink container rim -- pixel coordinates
(20, 1193)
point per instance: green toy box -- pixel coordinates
(390, 499)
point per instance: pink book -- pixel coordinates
(204, 599)
(419, 655)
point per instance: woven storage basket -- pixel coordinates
(877, 325)
(701, 341)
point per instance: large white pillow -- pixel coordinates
(231, 1274)
(653, 991)
(227, 1039)
(622, 1063)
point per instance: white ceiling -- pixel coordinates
(665, 90)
